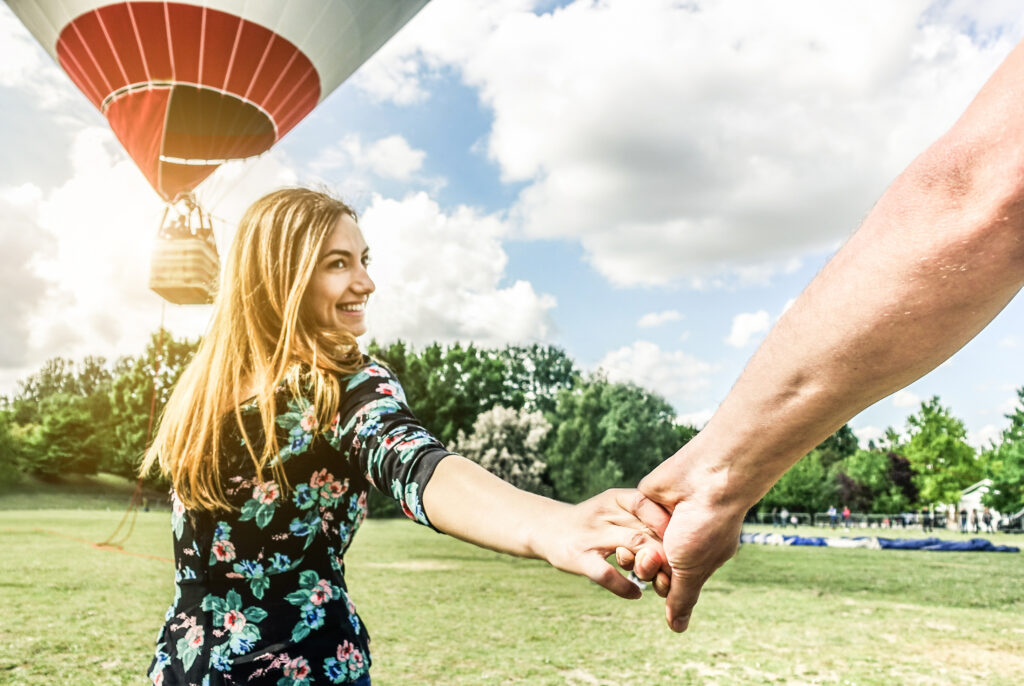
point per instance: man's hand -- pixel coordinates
(702, 534)
(698, 541)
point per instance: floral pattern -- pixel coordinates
(346, 665)
(260, 593)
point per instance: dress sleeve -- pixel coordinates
(379, 435)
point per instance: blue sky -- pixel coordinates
(646, 183)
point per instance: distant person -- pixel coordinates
(775, 517)
(833, 516)
(846, 516)
(271, 440)
(986, 517)
(926, 520)
(963, 520)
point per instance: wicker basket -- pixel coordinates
(184, 270)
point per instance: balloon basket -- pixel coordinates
(185, 265)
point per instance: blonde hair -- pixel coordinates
(260, 333)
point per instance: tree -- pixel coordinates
(535, 375)
(607, 435)
(806, 487)
(938, 451)
(839, 446)
(446, 387)
(140, 389)
(1004, 464)
(60, 418)
(684, 434)
(449, 387)
(10, 452)
(508, 443)
(72, 435)
(875, 481)
(58, 376)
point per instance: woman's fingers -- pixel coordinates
(649, 561)
(661, 584)
(603, 574)
(624, 558)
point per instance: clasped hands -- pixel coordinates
(677, 543)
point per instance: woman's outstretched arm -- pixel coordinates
(466, 501)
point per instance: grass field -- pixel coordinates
(442, 612)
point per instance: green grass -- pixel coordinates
(442, 612)
(75, 492)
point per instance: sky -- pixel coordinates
(645, 183)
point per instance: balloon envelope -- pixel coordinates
(187, 86)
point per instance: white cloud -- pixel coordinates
(99, 301)
(985, 436)
(866, 434)
(442, 33)
(1009, 341)
(24, 65)
(1010, 405)
(673, 374)
(392, 76)
(746, 326)
(741, 136)
(652, 319)
(22, 245)
(905, 398)
(695, 419)
(439, 277)
(389, 158)
(761, 274)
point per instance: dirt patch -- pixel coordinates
(581, 677)
(974, 664)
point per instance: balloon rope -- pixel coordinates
(113, 541)
(97, 546)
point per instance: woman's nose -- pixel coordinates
(363, 283)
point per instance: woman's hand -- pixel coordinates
(580, 538)
(464, 500)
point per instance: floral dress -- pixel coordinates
(260, 594)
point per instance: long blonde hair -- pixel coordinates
(259, 333)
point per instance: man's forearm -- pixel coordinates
(936, 259)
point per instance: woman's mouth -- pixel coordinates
(352, 308)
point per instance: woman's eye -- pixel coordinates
(337, 264)
(366, 260)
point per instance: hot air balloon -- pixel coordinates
(187, 86)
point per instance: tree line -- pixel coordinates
(527, 413)
(928, 464)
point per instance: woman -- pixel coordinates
(271, 439)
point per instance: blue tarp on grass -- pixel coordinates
(971, 545)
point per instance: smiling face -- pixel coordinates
(337, 293)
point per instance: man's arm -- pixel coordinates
(936, 259)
